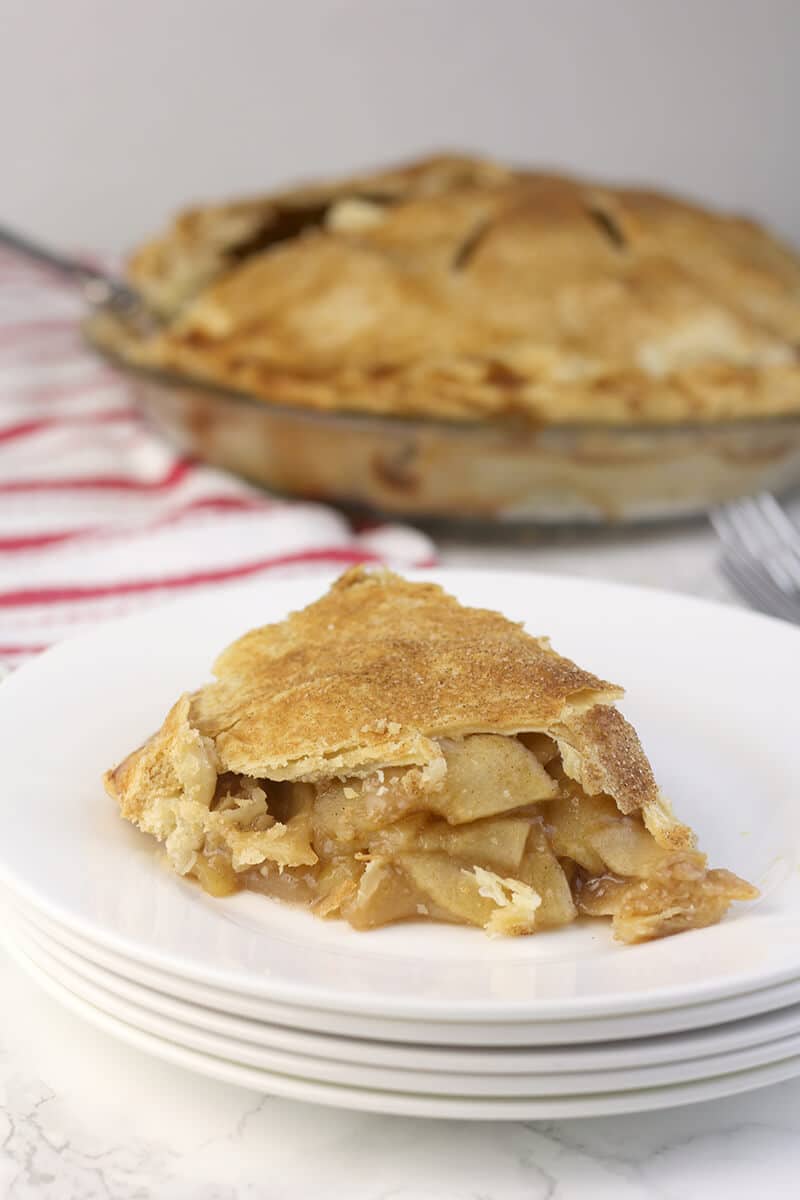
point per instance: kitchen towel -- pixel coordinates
(99, 517)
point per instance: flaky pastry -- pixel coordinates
(388, 754)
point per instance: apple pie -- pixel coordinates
(387, 754)
(464, 289)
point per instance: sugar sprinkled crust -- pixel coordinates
(463, 289)
(373, 675)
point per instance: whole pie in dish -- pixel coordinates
(387, 754)
(463, 289)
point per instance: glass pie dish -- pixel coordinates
(509, 471)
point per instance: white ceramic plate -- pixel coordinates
(399, 1103)
(425, 1033)
(485, 1082)
(710, 689)
(518, 1060)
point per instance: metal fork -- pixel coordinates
(761, 553)
(100, 290)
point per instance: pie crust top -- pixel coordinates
(377, 669)
(387, 753)
(461, 289)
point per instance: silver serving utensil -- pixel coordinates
(761, 553)
(100, 290)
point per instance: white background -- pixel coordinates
(114, 112)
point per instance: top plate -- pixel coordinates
(710, 689)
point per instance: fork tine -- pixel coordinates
(785, 554)
(727, 527)
(748, 527)
(736, 526)
(778, 520)
(756, 529)
(779, 517)
(758, 589)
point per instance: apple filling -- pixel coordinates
(494, 833)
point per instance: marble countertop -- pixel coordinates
(83, 1117)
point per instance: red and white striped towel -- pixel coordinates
(99, 517)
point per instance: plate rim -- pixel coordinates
(672, 1048)
(767, 1000)
(408, 1104)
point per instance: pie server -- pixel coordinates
(99, 289)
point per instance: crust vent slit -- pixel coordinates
(466, 251)
(283, 225)
(607, 226)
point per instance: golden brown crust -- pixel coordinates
(204, 241)
(372, 675)
(461, 289)
(611, 761)
(372, 672)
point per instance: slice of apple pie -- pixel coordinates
(388, 754)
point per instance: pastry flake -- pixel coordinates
(388, 754)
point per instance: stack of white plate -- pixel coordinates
(420, 1019)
